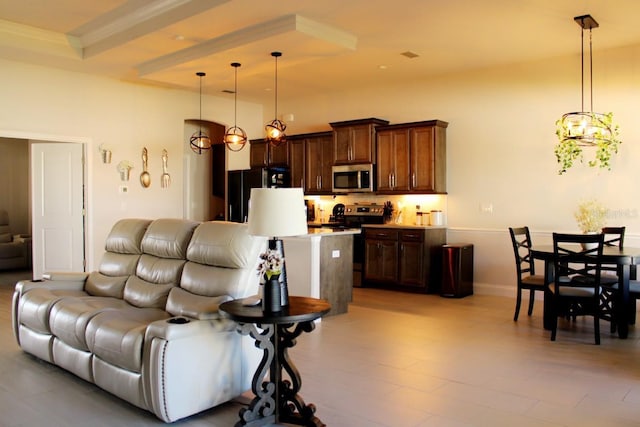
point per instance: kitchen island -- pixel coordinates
(320, 265)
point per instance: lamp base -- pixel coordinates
(271, 300)
(278, 245)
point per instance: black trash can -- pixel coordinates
(457, 270)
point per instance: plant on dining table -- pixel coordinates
(591, 216)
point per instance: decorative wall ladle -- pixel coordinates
(165, 179)
(145, 178)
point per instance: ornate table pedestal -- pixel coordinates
(277, 400)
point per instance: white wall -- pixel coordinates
(49, 104)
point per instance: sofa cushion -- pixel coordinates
(11, 250)
(117, 337)
(214, 281)
(159, 270)
(69, 317)
(184, 303)
(140, 293)
(168, 238)
(222, 244)
(99, 285)
(116, 264)
(35, 307)
(5, 238)
(126, 236)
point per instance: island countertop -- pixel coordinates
(327, 231)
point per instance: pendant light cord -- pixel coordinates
(235, 98)
(276, 74)
(591, 70)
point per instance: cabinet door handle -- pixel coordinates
(413, 179)
(393, 180)
(320, 181)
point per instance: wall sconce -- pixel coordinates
(105, 153)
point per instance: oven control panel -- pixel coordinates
(364, 210)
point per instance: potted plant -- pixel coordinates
(569, 149)
(591, 216)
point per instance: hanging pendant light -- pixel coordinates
(200, 141)
(275, 129)
(586, 128)
(235, 138)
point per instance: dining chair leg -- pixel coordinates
(554, 322)
(531, 301)
(596, 328)
(518, 302)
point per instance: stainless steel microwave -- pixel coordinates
(353, 178)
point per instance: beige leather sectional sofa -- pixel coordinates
(145, 326)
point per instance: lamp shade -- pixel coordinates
(277, 212)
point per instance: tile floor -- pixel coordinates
(395, 360)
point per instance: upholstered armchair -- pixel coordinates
(15, 249)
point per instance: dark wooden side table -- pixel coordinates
(277, 400)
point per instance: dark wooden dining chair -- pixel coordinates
(525, 268)
(577, 263)
(613, 236)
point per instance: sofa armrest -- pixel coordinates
(66, 276)
(194, 366)
(177, 328)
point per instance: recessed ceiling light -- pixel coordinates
(382, 67)
(410, 54)
(178, 37)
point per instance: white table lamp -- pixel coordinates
(275, 213)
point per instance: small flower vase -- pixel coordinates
(271, 298)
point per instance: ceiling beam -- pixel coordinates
(135, 19)
(258, 32)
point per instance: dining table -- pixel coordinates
(625, 258)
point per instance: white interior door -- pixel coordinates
(58, 207)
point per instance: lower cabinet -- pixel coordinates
(404, 257)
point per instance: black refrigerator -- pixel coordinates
(240, 183)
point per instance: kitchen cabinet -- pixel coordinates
(296, 161)
(318, 154)
(354, 141)
(393, 161)
(412, 157)
(407, 258)
(381, 255)
(262, 154)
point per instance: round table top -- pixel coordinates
(300, 309)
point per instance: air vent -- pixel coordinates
(410, 54)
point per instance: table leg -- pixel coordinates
(261, 410)
(622, 309)
(277, 399)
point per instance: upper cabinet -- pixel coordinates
(354, 141)
(412, 157)
(318, 161)
(263, 154)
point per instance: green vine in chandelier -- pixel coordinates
(567, 151)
